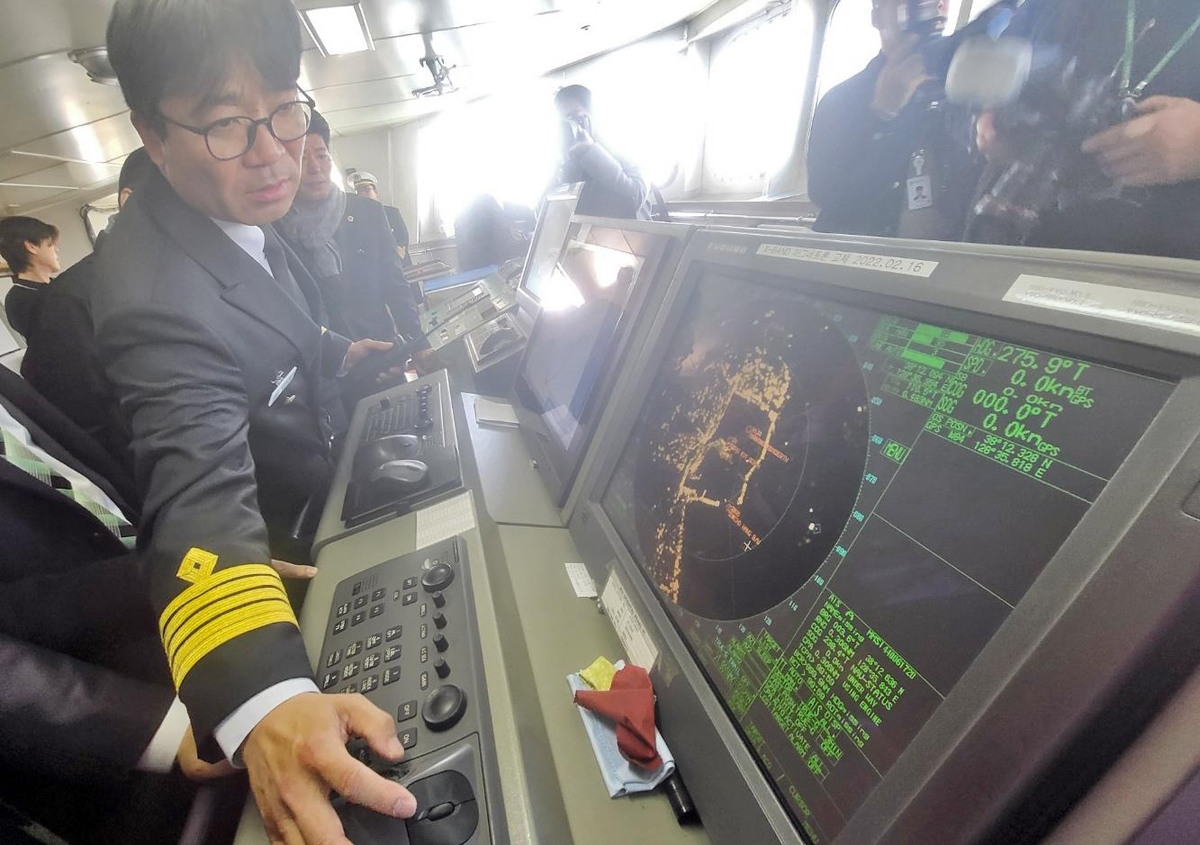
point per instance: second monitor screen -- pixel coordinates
(583, 304)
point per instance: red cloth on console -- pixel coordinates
(629, 704)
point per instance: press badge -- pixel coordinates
(920, 184)
(281, 382)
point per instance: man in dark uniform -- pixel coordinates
(366, 185)
(612, 187)
(1153, 157)
(61, 361)
(344, 242)
(211, 335)
(882, 159)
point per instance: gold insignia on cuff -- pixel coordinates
(197, 565)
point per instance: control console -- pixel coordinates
(451, 320)
(404, 634)
(406, 451)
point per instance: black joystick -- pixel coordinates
(444, 707)
(437, 577)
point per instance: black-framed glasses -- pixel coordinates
(233, 137)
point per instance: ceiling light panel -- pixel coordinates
(338, 30)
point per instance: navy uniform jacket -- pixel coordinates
(372, 277)
(62, 363)
(209, 357)
(858, 163)
(69, 595)
(23, 303)
(399, 232)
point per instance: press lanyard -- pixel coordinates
(1131, 40)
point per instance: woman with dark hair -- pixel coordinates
(30, 248)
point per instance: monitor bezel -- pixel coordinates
(896, 804)
(526, 299)
(560, 467)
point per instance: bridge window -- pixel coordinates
(757, 80)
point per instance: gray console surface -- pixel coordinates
(565, 634)
(513, 492)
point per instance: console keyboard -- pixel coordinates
(410, 429)
(403, 633)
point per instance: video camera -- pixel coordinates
(1044, 108)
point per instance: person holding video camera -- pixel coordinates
(612, 187)
(882, 159)
(1141, 58)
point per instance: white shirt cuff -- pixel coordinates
(235, 727)
(160, 754)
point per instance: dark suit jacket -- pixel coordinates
(612, 186)
(23, 303)
(372, 278)
(399, 231)
(63, 364)
(196, 337)
(70, 598)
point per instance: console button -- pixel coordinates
(370, 662)
(408, 738)
(424, 631)
(410, 583)
(329, 680)
(356, 589)
(424, 681)
(393, 633)
(360, 602)
(409, 598)
(441, 667)
(392, 675)
(333, 658)
(444, 707)
(424, 654)
(406, 711)
(340, 626)
(439, 622)
(374, 640)
(438, 577)
(348, 689)
(349, 670)
(391, 653)
(343, 609)
(377, 610)
(369, 684)
(378, 594)
(358, 618)
(353, 649)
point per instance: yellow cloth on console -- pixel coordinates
(599, 675)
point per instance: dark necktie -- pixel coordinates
(280, 270)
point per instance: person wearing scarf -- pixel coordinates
(345, 242)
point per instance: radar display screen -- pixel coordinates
(839, 508)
